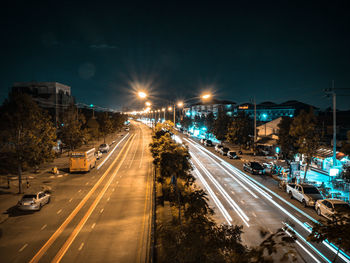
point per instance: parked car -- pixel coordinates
(104, 148)
(202, 141)
(304, 193)
(253, 168)
(224, 150)
(232, 155)
(127, 129)
(218, 147)
(33, 202)
(98, 155)
(331, 208)
(208, 143)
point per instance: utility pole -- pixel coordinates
(334, 125)
(174, 115)
(254, 124)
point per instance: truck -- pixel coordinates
(307, 194)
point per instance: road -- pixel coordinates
(239, 199)
(101, 216)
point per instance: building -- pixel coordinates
(52, 96)
(268, 111)
(212, 106)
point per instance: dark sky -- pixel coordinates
(273, 50)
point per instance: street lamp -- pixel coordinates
(148, 103)
(163, 110)
(142, 94)
(206, 96)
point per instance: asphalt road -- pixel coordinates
(101, 216)
(239, 199)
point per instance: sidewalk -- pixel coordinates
(43, 179)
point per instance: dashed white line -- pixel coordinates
(101, 211)
(113, 189)
(253, 214)
(59, 211)
(43, 227)
(93, 225)
(81, 246)
(70, 200)
(79, 191)
(108, 198)
(22, 248)
(233, 192)
(60, 175)
(242, 202)
(87, 183)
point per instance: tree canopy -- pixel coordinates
(27, 134)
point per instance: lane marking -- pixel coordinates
(214, 197)
(254, 214)
(93, 225)
(22, 248)
(59, 211)
(233, 192)
(139, 249)
(253, 183)
(79, 191)
(58, 232)
(133, 158)
(232, 203)
(70, 200)
(87, 183)
(143, 145)
(113, 189)
(82, 222)
(109, 155)
(81, 246)
(108, 198)
(101, 211)
(43, 227)
(242, 202)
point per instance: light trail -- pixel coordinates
(253, 183)
(109, 155)
(233, 204)
(214, 198)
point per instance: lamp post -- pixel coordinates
(163, 110)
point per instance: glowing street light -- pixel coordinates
(142, 94)
(170, 108)
(206, 96)
(148, 103)
(180, 104)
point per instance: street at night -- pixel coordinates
(175, 132)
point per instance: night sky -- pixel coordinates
(273, 50)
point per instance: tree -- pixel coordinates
(93, 128)
(209, 121)
(71, 131)
(27, 135)
(285, 140)
(304, 128)
(346, 146)
(186, 122)
(106, 125)
(336, 231)
(221, 125)
(118, 120)
(240, 129)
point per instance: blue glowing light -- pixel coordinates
(188, 113)
(264, 116)
(91, 105)
(204, 129)
(278, 149)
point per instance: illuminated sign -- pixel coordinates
(245, 107)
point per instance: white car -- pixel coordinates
(330, 207)
(218, 147)
(104, 148)
(98, 155)
(33, 202)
